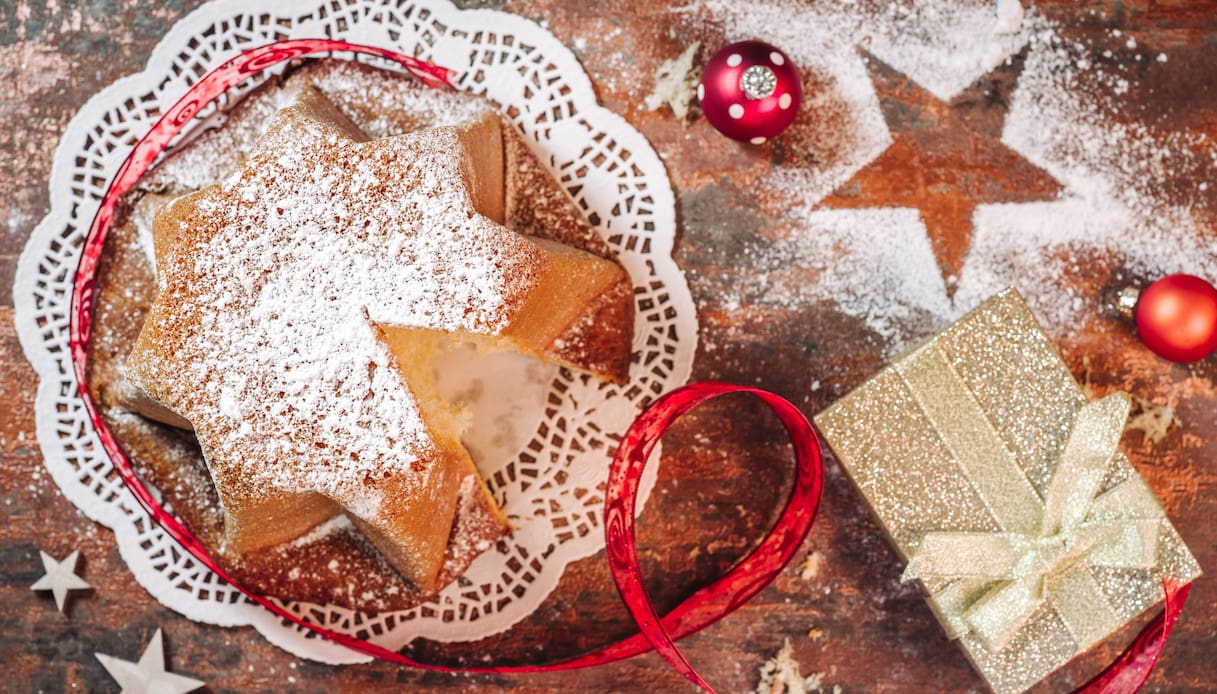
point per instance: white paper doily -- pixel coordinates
(552, 487)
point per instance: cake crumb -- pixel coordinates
(1153, 421)
(810, 568)
(675, 83)
(780, 675)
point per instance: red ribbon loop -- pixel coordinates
(749, 576)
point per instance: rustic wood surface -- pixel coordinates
(725, 467)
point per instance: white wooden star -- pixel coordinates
(148, 676)
(60, 577)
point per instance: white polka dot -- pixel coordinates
(776, 58)
(734, 59)
(757, 140)
(701, 92)
(735, 111)
(783, 101)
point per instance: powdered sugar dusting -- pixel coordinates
(364, 91)
(1120, 196)
(280, 278)
(876, 286)
(221, 144)
(1120, 179)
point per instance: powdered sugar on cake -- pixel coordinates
(364, 93)
(279, 281)
(380, 103)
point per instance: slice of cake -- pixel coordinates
(299, 304)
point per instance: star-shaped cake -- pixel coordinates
(299, 304)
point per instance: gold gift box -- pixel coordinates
(1030, 532)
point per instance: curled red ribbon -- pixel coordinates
(704, 607)
(746, 578)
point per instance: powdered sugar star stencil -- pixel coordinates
(956, 151)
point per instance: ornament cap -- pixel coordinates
(1126, 301)
(758, 82)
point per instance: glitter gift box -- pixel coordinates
(1030, 532)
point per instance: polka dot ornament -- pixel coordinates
(750, 91)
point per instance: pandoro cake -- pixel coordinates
(297, 306)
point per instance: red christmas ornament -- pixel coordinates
(750, 91)
(1177, 318)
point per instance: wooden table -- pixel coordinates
(725, 467)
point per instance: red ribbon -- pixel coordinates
(1128, 673)
(704, 607)
(749, 576)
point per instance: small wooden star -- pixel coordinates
(60, 577)
(946, 158)
(148, 676)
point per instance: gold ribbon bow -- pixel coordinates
(996, 581)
